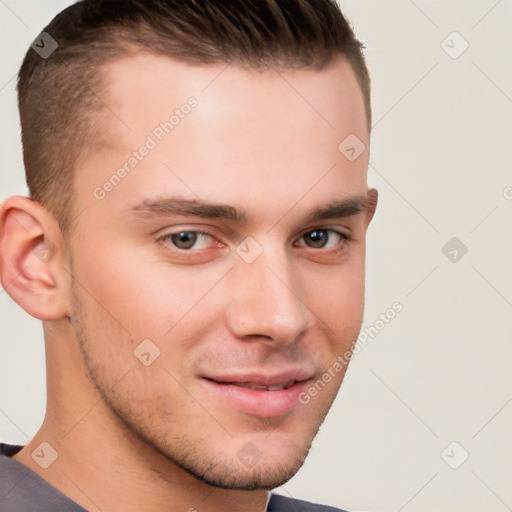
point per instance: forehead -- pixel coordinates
(161, 78)
(225, 133)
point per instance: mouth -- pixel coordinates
(256, 386)
(259, 395)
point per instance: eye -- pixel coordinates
(322, 238)
(185, 240)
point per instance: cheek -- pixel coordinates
(144, 293)
(338, 301)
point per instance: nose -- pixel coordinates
(265, 301)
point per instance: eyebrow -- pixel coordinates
(339, 209)
(193, 207)
(196, 208)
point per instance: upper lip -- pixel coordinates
(260, 379)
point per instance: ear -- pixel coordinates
(32, 259)
(373, 197)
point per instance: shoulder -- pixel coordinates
(279, 503)
(23, 489)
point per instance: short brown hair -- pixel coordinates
(59, 96)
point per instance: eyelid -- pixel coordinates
(345, 233)
(161, 239)
(203, 229)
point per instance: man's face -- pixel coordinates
(246, 311)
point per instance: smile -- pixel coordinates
(259, 395)
(252, 385)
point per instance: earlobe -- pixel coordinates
(31, 259)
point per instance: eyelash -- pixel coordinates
(344, 237)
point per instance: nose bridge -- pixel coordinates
(265, 299)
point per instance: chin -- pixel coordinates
(265, 475)
(270, 462)
(235, 464)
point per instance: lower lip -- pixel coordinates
(259, 402)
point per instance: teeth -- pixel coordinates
(258, 387)
(251, 386)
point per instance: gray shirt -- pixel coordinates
(23, 490)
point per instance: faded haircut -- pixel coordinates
(59, 96)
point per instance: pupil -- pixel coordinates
(317, 238)
(184, 240)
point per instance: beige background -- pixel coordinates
(440, 371)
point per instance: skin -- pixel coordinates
(158, 437)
